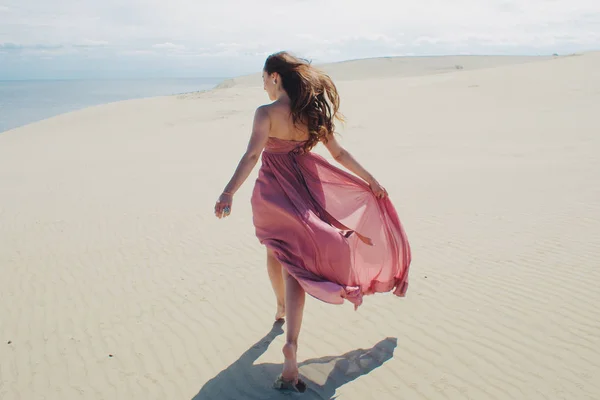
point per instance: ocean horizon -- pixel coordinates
(26, 101)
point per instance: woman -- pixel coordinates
(326, 231)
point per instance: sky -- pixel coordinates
(62, 39)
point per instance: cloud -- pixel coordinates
(92, 43)
(169, 46)
(10, 46)
(36, 47)
(138, 53)
(324, 30)
(41, 49)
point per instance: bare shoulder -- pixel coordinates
(264, 110)
(277, 109)
(262, 119)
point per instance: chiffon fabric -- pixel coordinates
(326, 227)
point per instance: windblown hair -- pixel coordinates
(314, 98)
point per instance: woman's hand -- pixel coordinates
(377, 189)
(223, 205)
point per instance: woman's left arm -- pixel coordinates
(258, 139)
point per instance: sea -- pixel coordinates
(26, 101)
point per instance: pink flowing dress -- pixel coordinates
(326, 226)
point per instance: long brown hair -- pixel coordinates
(314, 98)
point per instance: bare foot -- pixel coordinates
(280, 312)
(290, 365)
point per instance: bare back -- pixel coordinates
(282, 126)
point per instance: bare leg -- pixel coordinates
(294, 301)
(275, 274)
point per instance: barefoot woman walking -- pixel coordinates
(327, 232)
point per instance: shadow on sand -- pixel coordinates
(244, 380)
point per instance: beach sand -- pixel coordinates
(117, 281)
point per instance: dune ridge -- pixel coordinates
(388, 67)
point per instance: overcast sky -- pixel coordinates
(145, 38)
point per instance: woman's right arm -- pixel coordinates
(346, 159)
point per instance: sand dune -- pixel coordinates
(119, 283)
(394, 67)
